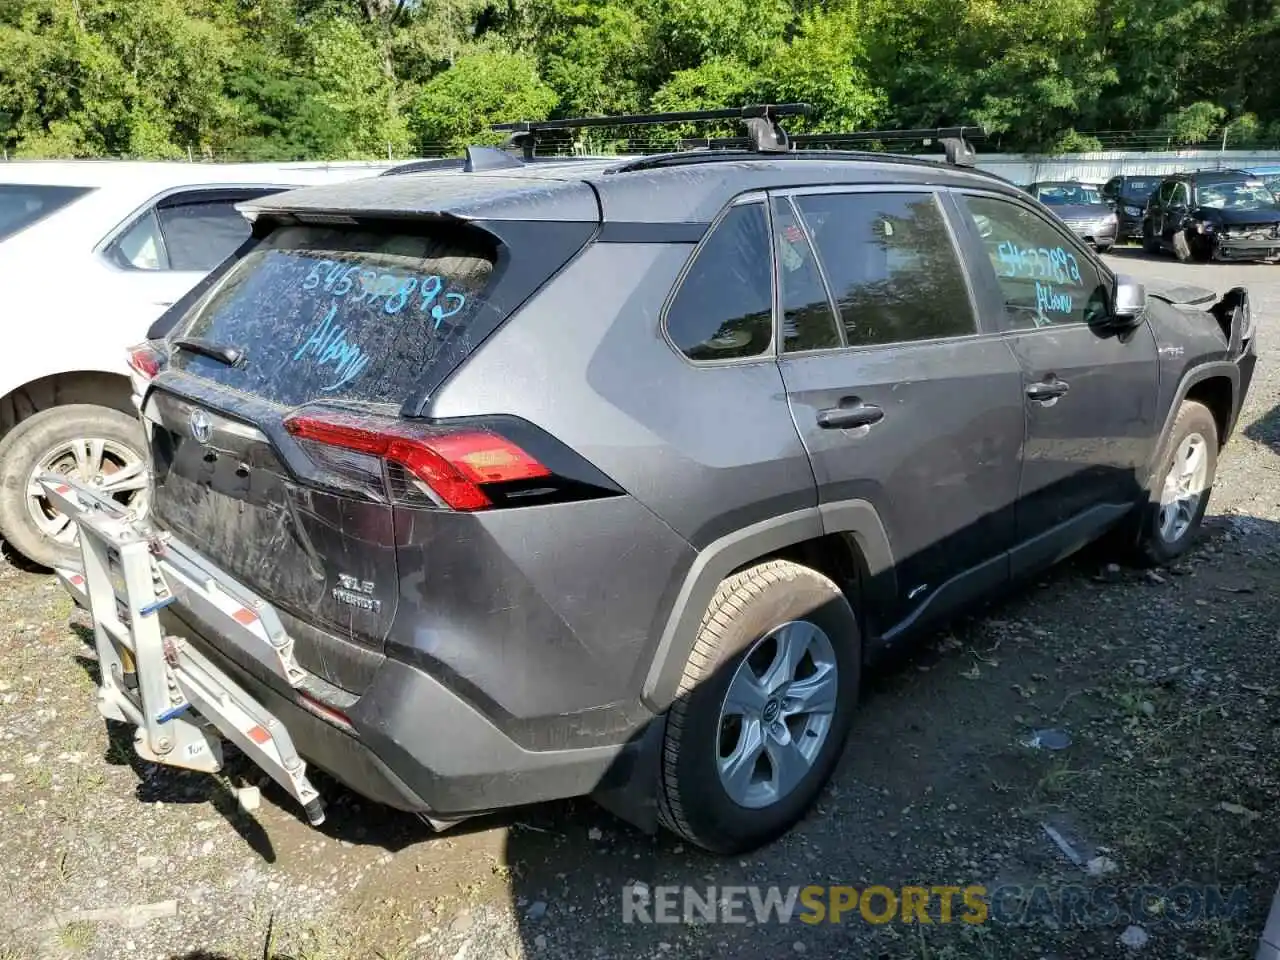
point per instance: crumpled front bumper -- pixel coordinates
(1230, 248)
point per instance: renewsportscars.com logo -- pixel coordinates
(810, 904)
(1005, 905)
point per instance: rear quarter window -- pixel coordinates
(723, 309)
(22, 204)
(338, 313)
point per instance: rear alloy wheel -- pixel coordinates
(1182, 485)
(764, 708)
(96, 445)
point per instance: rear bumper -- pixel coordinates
(415, 745)
(207, 656)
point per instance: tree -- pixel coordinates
(94, 77)
(826, 65)
(1194, 123)
(482, 87)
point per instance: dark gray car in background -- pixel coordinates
(1128, 196)
(607, 477)
(1082, 208)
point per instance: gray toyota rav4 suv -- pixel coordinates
(477, 487)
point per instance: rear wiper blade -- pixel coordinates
(231, 356)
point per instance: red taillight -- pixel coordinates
(146, 360)
(455, 464)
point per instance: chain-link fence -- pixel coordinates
(1128, 152)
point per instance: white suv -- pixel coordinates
(91, 253)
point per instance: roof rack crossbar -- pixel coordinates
(764, 132)
(957, 142)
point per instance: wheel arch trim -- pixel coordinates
(857, 518)
(1197, 374)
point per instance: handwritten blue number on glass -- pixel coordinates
(430, 288)
(313, 277)
(396, 303)
(457, 300)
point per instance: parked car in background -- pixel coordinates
(1270, 176)
(1082, 208)
(1128, 196)
(91, 253)
(420, 514)
(1213, 215)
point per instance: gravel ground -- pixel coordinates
(1165, 683)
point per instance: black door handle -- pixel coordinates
(1047, 390)
(852, 412)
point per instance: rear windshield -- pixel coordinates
(22, 204)
(334, 313)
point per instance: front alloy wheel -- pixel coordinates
(1185, 486)
(1180, 486)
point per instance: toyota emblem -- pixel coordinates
(201, 426)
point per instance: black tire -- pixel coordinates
(1182, 246)
(1151, 548)
(1150, 244)
(21, 450)
(1201, 249)
(1104, 247)
(692, 801)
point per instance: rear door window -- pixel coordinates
(338, 313)
(199, 236)
(22, 204)
(191, 231)
(141, 247)
(808, 322)
(891, 265)
(724, 307)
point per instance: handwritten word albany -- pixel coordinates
(328, 343)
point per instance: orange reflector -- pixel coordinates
(244, 616)
(77, 579)
(259, 734)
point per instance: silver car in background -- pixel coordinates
(1082, 208)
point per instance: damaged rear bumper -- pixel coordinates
(191, 656)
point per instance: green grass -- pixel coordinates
(77, 937)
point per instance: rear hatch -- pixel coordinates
(278, 441)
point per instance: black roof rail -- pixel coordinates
(418, 166)
(764, 132)
(957, 142)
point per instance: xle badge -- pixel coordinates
(356, 593)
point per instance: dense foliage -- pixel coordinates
(277, 79)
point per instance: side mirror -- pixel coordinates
(1128, 304)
